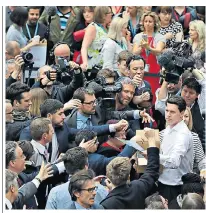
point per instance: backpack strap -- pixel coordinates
(187, 20)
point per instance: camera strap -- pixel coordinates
(36, 30)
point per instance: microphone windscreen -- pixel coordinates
(96, 87)
(51, 11)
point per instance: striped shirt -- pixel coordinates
(199, 158)
(63, 19)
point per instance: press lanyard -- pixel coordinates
(152, 40)
(121, 44)
(133, 29)
(28, 31)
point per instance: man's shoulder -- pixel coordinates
(60, 188)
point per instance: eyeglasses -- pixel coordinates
(91, 102)
(90, 190)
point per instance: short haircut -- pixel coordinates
(19, 16)
(126, 80)
(10, 47)
(33, 8)
(118, 170)
(100, 13)
(152, 198)
(134, 58)
(75, 159)
(10, 152)
(193, 201)
(156, 205)
(15, 91)
(50, 106)
(81, 92)
(78, 180)
(123, 55)
(191, 184)
(106, 73)
(11, 180)
(38, 127)
(27, 148)
(192, 83)
(84, 134)
(177, 100)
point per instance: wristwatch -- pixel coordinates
(38, 180)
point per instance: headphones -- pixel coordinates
(51, 53)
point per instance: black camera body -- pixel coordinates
(28, 58)
(176, 61)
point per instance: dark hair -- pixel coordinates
(19, 16)
(192, 83)
(34, 8)
(177, 100)
(91, 8)
(80, 93)
(75, 159)
(78, 180)
(27, 148)
(191, 183)
(38, 127)
(163, 9)
(124, 55)
(10, 152)
(134, 58)
(106, 73)
(15, 91)
(50, 106)
(84, 134)
(200, 10)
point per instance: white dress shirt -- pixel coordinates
(176, 154)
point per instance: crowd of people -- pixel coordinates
(120, 85)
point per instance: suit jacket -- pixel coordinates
(66, 135)
(25, 193)
(99, 162)
(94, 206)
(55, 27)
(132, 195)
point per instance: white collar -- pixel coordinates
(8, 203)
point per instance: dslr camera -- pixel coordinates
(28, 58)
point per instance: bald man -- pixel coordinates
(12, 49)
(62, 51)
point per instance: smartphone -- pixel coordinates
(144, 36)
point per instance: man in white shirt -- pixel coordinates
(176, 152)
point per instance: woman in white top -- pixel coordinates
(117, 41)
(94, 39)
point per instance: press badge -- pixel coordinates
(147, 68)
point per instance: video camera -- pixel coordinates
(176, 60)
(62, 70)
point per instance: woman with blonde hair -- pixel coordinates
(198, 153)
(118, 39)
(197, 39)
(94, 39)
(38, 97)
(149, 44)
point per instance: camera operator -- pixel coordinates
(61, 93)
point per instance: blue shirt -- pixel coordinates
(82, 121)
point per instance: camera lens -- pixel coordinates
(28, 56)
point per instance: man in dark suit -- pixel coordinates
(131, 196)
(90, 114)
(82, 189)
(63, 138)
(15, 162)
